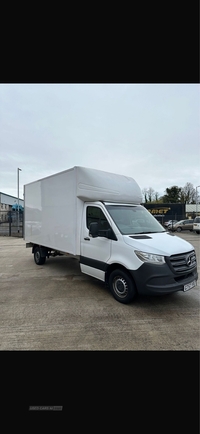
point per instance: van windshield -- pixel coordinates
(134, 219)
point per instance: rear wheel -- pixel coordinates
(122, 286)
(39, 260)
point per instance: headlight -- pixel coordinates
(149, 257)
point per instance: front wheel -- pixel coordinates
(122, 286)
(39, 260)
(179, 229)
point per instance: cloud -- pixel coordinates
(149, 132)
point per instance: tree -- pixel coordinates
(188, 193)
(150, 192)
(150, 195)
(173, 195)
(144, 192)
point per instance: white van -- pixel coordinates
(196, 225)
(97, 217)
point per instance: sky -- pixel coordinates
(149, 132)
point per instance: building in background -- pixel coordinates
(6, 203)
(166, 211)
(192, 210)
(172, 211)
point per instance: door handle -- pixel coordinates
(87, 239)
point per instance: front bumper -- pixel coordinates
(159, 279)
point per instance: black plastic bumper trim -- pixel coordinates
(158, 279)
(99, 265)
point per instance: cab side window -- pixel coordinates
(94, 214)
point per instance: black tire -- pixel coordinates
(198, 232)
(39, 260)
(179, 229)
(122, 286)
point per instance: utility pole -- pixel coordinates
(18, 198)
(196, 198)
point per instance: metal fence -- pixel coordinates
(12, 223)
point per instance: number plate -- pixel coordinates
(189, 285)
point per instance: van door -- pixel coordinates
(95, 252)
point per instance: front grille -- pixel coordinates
(183, 262)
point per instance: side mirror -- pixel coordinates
(94, 229)
(110, 234)
(95, 232)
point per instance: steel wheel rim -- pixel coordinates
(120, 287)
(37, 256)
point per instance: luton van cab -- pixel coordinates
(97, 216)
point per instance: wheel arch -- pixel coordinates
(34, 247)
(43, 250)
(117, 266)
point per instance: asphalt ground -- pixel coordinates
(56, 307)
